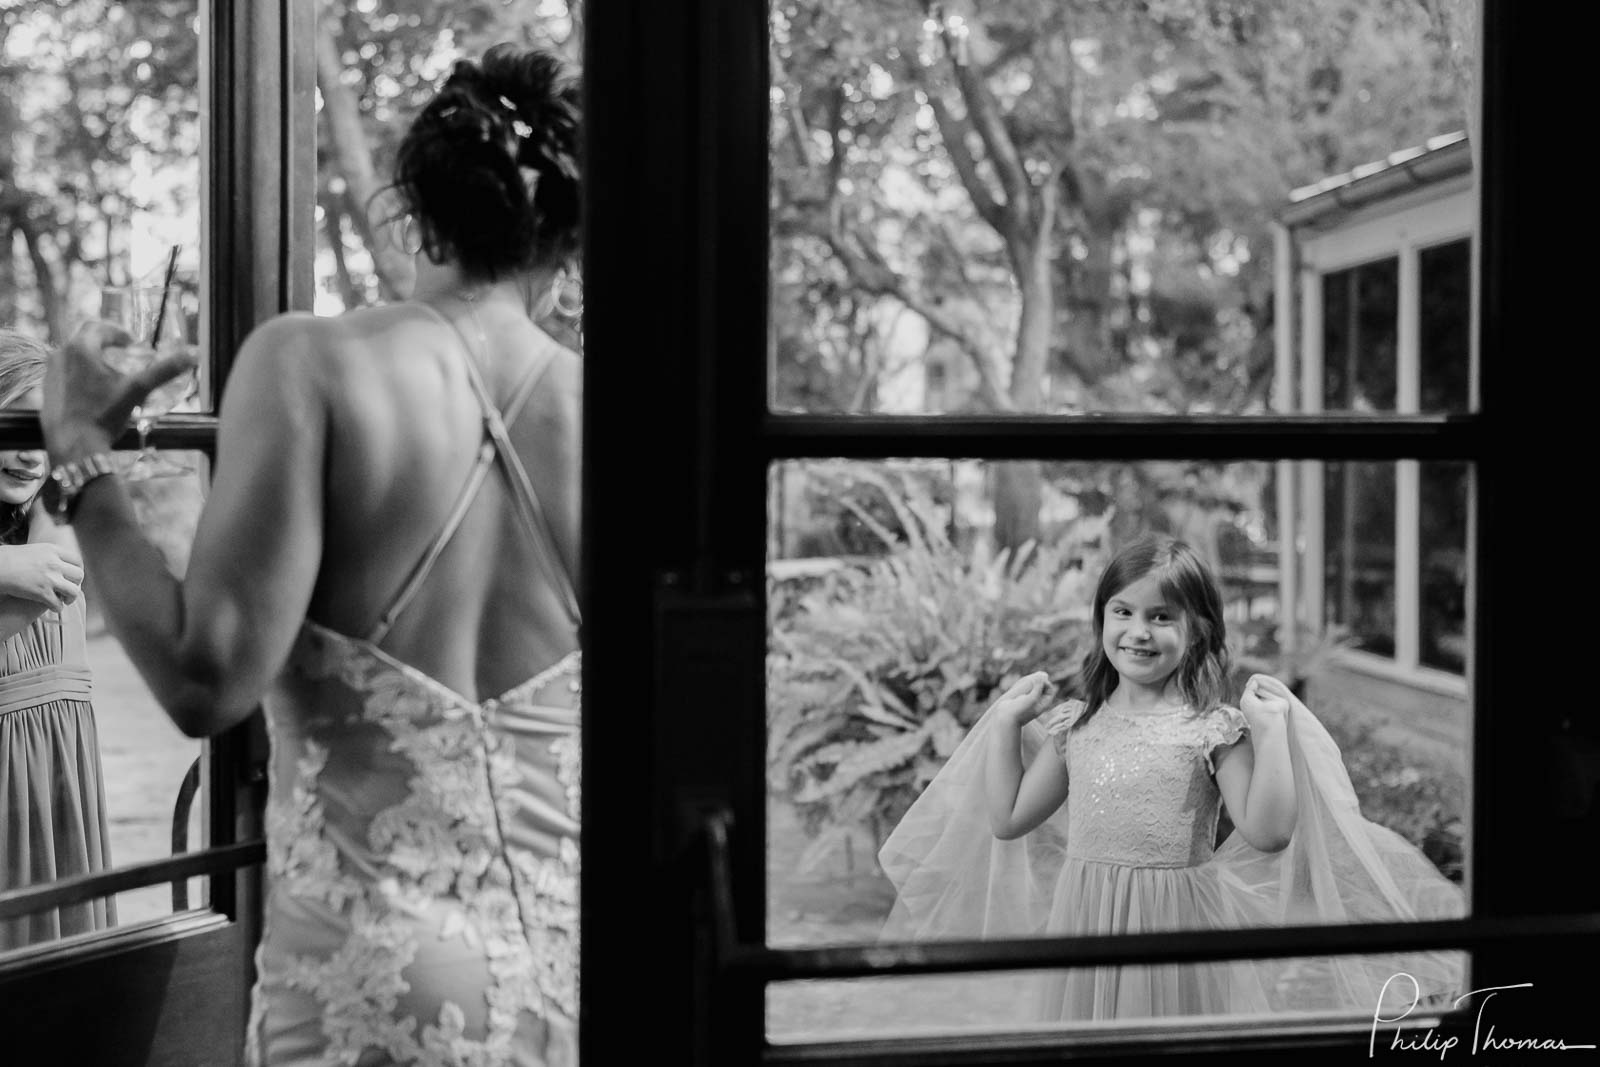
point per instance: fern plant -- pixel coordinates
(876, 673)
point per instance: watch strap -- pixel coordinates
(72, 477)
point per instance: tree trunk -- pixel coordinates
(1018, 493)
(1035, 321)
(1137, 510)
(1084, 339)
(44, 279)
(1019, 486)
(333, 226)
(8, 233)
(396, 272)
(8, 272)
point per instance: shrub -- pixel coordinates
(877, 671)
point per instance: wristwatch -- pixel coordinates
(67, 482)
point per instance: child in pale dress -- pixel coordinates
(52, 797)
(1100, 817)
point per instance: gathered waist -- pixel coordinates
(40, 685)
(1130, 861)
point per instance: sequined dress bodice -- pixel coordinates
(1141, 786)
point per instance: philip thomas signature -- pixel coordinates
(1485, 1040)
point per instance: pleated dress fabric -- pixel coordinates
(52, 794)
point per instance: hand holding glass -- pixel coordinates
(146, 311)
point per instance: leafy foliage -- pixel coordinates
(99, 145)
(1140, 149)
(876, 672)
(377, 65)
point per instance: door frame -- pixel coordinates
(176, 990)
(674, 642)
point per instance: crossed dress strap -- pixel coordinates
(496, 445)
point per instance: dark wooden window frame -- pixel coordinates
(259, 96)
(676, 256)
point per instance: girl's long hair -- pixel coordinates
(1188, 583)
(22, 365)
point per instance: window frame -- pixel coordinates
(675, 609)
(1401, 229)
(257, 195)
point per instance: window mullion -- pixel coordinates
(1407, 562)
(1310, 340)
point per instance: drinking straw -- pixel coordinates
(166, 287)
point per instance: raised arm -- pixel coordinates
(1254, 773)
(1018, 801)
(208, 645)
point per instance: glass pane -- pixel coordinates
(1443, 566)
(100, 159)
(1360, 327)
(1445, 281)
(1070, 208)
(1359, 553)
(93, 774)
(974, 1004)
(389, 60)
(897, 616)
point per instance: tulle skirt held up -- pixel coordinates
(954, 879)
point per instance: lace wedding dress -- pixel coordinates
(422, 862)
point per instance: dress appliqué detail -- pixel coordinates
(444, 871)
(298, 850)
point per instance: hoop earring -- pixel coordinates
(410, 235)
(570, 311)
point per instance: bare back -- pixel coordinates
(404, 431)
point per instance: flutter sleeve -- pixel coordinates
(1058, 723)
(1225, 725)
(953, 878)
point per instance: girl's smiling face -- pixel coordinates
(22, 471)
(21, 475)
(1144, 635)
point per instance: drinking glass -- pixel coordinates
(156, 319)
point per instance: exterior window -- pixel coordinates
(1359, 555)
(1443, 571)
(1444, 342)
(103, 182)
(1386, 306)
(1360, 334)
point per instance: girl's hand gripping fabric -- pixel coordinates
(1025, 700)
(1265, 702)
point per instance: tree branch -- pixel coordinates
(1011, 50)
(44, 276)
(333, 214)
(873, 275)
(343, 116)
(791, 106)
(836, 155)
(953, 132)
(984, 113)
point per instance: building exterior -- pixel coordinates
(1375, 314)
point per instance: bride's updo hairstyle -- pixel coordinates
(489, 169)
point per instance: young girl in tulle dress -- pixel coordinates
(1100, 816)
